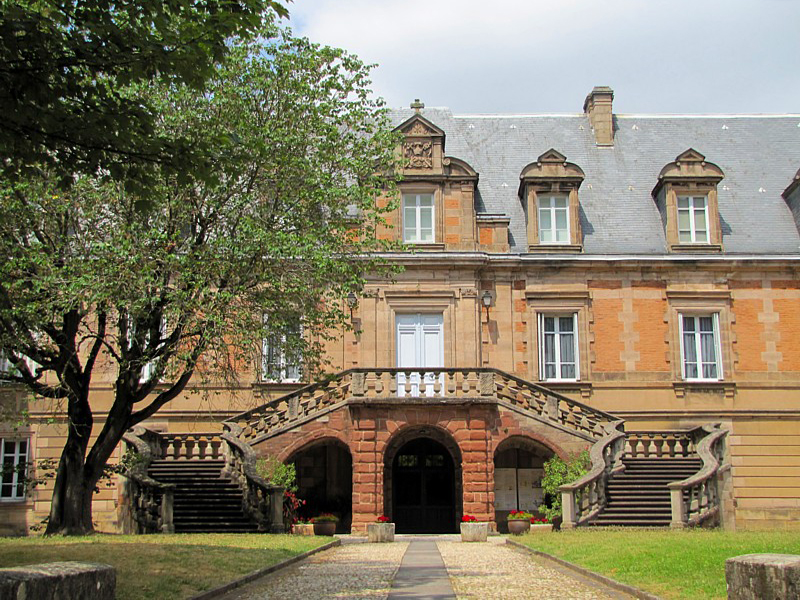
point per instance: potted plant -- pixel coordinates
(473, 530)
(381, 530)
(519, 522)
(325, 524)
(302, 528)
(540, 524)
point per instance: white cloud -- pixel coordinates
(516, 56)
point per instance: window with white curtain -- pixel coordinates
(418, 218)
(14, 461)
(700, 347)
(693, 220)
(553, 219)
(558, 347)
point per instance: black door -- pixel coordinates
(423, 488)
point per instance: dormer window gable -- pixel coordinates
(549, 191)
(686, 196)
(422, 149)
(792, 196)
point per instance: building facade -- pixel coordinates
(561, 273)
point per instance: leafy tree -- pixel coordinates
(63, 62)
(144, 290)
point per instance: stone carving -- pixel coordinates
(418, 129)
(418, 154)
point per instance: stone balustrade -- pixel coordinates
(696, 499)
(659, 444)
(146, 504)
(585, 498)
(430, 385)
(190, 446)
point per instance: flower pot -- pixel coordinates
(325, 528)
(474, 532)
(541, 527)
(519, 526)
(303, 529)
(380, 532)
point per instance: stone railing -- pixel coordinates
(585, 498)
(696, 499)
(147, 504)
(263, 502)
(190, 446)
(432, 385)
(660, 444)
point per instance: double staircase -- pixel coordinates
(204, 500)
(639, 497)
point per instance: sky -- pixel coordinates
(517, 56)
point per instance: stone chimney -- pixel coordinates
(601, 117)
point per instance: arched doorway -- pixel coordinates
(518, 470)
(423, 482)
(325, 481)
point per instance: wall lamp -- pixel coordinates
(352, 302)
(486, 301)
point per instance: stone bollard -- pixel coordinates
(380, 532)
(57, 580)
(763, 577)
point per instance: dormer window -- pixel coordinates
(686, 196)
(693, 219)
(553, 218)
(549, 191)
(418, 219)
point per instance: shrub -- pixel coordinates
(558, 472)
(277, 473)
(325, 518)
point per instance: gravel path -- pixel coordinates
(499, 571)
(357, 571)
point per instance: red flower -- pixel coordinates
(468, 519)
(383, 519)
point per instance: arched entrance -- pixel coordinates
(423, 481)
(518, 470)
(325, 481)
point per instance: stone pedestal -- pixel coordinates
(380, 532)
(763, 577)
(52, 581)
(474, 532)
(303, 529)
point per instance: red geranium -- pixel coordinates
(383, 519)
(468, 519)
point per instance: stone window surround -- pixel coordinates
(699, 303)
(552, 174)
(690, 175)
(562, 302)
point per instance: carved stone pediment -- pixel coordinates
(419, 126)
(423, 146)
(418, 154)
(689, 165)
(552, 166)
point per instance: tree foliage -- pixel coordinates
(146, 288)
(63, 64)
(558, 472)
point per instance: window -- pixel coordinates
(553, 219)
(558, 347)
(14, 458)
(700, 347)
(279, 360)
(692, 220)
(418, 219)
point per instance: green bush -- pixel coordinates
(277, 473)
(558, 472)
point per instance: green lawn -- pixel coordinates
(670, 564)
(163, 566)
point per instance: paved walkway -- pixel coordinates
(423, 569)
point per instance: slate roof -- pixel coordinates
(758, 154)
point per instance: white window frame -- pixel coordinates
(698, 345)
(18, 457)
(557, 351)
(415, 236)
(282, 365)
(546, 204)
(150, 366)
(692, 211)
